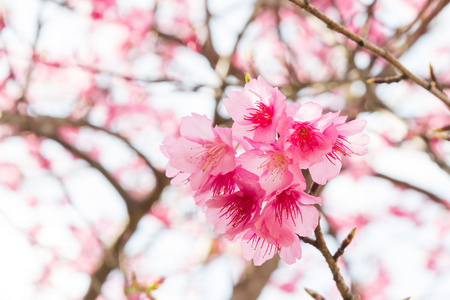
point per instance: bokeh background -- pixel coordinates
(90, 88)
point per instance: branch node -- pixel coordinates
(314, 294)
(388, 79)
(344, 244)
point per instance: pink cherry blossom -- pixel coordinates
(288, 213)
(233, 213)
(256, 111)
(220, 184)
(275, 170)
(258, 249)
(201, 151)
(307, 134)
(350, 140)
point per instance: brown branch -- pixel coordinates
(402, 30)
(433, 156)
(207, 49)
(384, 53)
(413, 37)
(253, 280)
(127, 142)
(111, 255)
(320, 244)
(388, 79)
(344, 244)
(224, 67)
(48, 127)
(430, 195)
(314, 294)
(433, 79)
(129, 201)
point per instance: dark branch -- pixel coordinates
(344, 244)
(384, 53)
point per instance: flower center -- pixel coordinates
(223, 184)
(260, 116)
(275, 165)
(258, 241)
(287, 205)
(238, 209)
(210, 156)
(304, 136)
(339, 148)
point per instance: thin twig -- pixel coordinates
(253, 280)
(344, 244)
(425, 21)
(431, 196)
(388, 79)
(384, 53)
(127, 142)
(322, 247)
(314, 294)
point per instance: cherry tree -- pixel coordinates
(177, 149)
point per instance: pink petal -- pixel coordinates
(325, 170)
(260, 252)
(290, 254)
(197, 128)
(237, 105)
(307, 199)
(352, 127)
(292, 109)
(225, 135)
(309, 111)
(308, 222)
(182, 155)
(357, 143)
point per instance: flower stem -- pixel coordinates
(320, 244)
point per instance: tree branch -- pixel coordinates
(344, 244)
(129, 201)
(320, 244)
(254, 279)
(425, 21)
(48, 127)
(431, 196)
(384, 53)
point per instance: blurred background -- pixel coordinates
(90, 88)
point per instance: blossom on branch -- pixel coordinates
(259, 196)
(256, 111)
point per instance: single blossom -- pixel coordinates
(258, 249)
(255, 111)
(201, 151)
(350, 141)
(275, 170)
(220, 184)
(288, 214)
(306, 133)
(232, 213)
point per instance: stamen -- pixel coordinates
(223, 184)
(269, 246)
(289, 206)
(339, 147)
(305, 135)
(238, 209)
(260, 116)
(275, 165)
(210, 156)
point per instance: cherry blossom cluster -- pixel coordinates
(248, 179)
